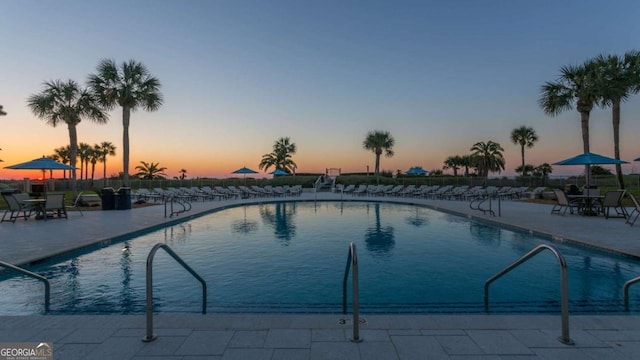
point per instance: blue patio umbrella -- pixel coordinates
(279, 172)
(416, 170)
(244, 171)
(42, 163)
(590, 159)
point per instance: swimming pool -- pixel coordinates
(290, 257)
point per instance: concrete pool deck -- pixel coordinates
(269, 336)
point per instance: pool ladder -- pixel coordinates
(352, 262)
(625, 291)
(478, 202)
(186, 206)
(564, 294)
(47, 286)
(150, 336)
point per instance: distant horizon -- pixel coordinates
(238, 75)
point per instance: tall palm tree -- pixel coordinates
(620, 78)
(454, 163)
(488, 158)
(183, 174)
(280, 157)
(106, 148)
(378, 142)
(576, 84)
(66, 102)
(129, 86)
(150, 170)
(524, 136)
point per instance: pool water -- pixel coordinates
(291, 257)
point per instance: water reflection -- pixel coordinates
(244, 226)
(177, 234)
(126, 294)
(485, 234)
(378, 239)
(281, 217)
(417, 220)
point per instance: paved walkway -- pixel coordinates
(256, 336)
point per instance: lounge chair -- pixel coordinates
(613, 200)
(563, 203)
(54, 205)
(78, 202)
(635, 213)
(16, 208)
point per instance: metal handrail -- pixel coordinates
(47, 286)
(150, 335)
(564, 294)
(489, 197)
(171, 200)
(352, 261)
(625, 291)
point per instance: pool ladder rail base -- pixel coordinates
(150, 336)
(564, 292)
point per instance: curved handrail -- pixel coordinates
(352, 261)
(625, 291)
(150, 335)
(47, 285)
(186, 206)
(564, 294)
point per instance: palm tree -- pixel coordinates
(2, 112)
(66, 102)
(280, 157)
(183, 174)
(106, 148)
(620, 78)
(378, 142)
(94, 157)
(84, 152)
(576, 84)
(454, 163)
(488, 158)
(524, 136)
(466, 161)
(129, 86)
(150, 171)
(62, 155)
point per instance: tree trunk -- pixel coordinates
(584, 122)
(126, 114)
(524, 172)
(615, 117)
(104, 171)
(73, 153)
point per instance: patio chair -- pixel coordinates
(613, 200)
(635, 213)
(77, 203)
(563, 203)
(54, 205)
(16, 207)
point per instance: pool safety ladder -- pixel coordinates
(352, 262)
(477, 205)
(169, 206)
(625, 291)
(564, 294)
(47, 286)
(150, 335)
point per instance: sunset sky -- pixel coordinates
(237, 75)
